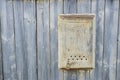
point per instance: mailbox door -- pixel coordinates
(76, 41)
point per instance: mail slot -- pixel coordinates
(76, 41)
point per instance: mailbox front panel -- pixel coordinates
(76, 41)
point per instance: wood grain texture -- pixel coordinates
(110, 40)
(98, 8)
(118, 47)
(81, 75)
(68, 8)
(20, 43)
(56, 8)
(1, 55)
(8, 45)
(1, 60)
(30, 53)
(83, 6)
(30, 38)
(70, 75)
(43, 40)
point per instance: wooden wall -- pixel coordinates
(28, 39)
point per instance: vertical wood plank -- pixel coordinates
(70, 75)
(8, 45)
(43, 40)
(68, 9)
(20, 44)
(83, 6)
(70, 6)
(110, 40)
(56, 7)
(30, 37)
(81, 75)
(1, 60)
(1, 56)
(98, 8)
(40, 40)
(118, 47)
(87, 75)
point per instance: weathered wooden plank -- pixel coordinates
(83, 6)
(40, 40)
(7, 34)
(30, 38)
(70, 6)
(56, 7)
(20, 44)
(70, 75)
(43, 40)
(110, 40)
(98, 8)
(68, 9)
(118, 48)
(1, 65)
(87, 74)
(81, 75)
(1, 56)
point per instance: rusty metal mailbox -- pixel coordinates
(76, 41)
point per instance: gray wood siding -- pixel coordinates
(29, 39)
